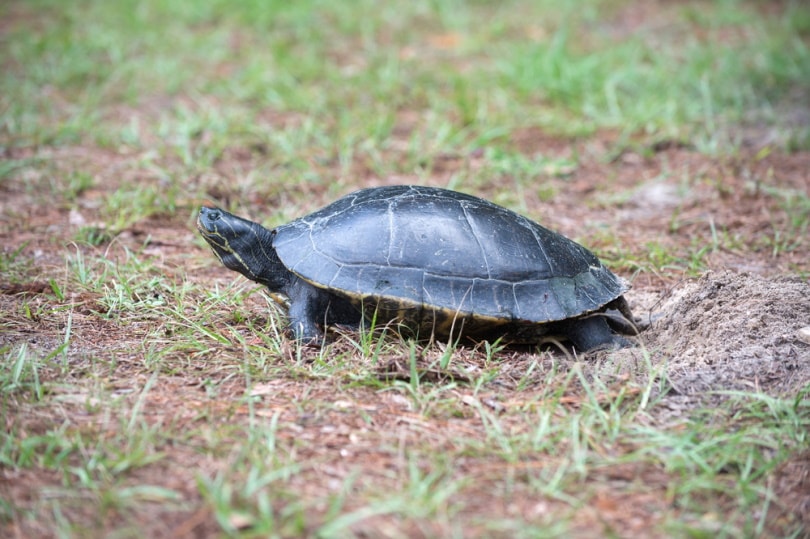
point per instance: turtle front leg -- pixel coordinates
(307, 309)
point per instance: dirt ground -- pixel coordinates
(732, 320)
(735, 331)
(716, 249)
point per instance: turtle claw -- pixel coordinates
(306, 334)
(309, 339)
(313, 342)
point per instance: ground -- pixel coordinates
(148, 391)
(732, 327)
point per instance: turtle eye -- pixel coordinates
(213, 215)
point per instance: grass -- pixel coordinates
(109, 68)
(712, 462)
(144, 391)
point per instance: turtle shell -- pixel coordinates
(430, 255)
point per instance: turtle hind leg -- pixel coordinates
(620, 318)
(592, 333)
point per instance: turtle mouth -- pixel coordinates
(200, 225)
(206, 225)
(206, 218)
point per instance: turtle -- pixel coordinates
(437, 262)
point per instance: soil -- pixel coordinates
(733, 320)
(716, 249)
(734, 331)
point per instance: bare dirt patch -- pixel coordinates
(735, 331)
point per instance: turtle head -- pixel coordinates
(242, 246)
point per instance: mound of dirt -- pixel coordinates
(735, 331)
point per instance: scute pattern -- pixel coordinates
(434, 253)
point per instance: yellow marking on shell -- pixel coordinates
(431, 318)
